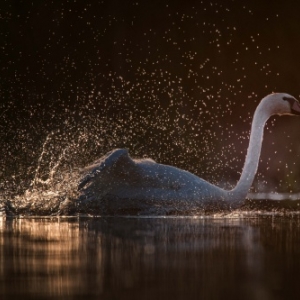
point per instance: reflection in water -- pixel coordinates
(146, 258)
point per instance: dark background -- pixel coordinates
(177, 81)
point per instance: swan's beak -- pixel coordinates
(295, 106)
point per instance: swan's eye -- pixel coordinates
(289, 99)
(295, 105)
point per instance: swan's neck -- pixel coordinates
(253, 154)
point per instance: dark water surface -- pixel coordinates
(150, 258)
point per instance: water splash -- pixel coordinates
(53, 185)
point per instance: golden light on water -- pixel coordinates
(136, 258)
(48, 252)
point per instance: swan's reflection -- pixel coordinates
(144, 258)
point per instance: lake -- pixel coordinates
(150, 258)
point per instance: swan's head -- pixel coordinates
(281, 104)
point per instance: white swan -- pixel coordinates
(124, 183)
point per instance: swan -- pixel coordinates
(121, 182)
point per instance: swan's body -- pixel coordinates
(125, 183)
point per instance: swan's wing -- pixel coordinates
(105, 163)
